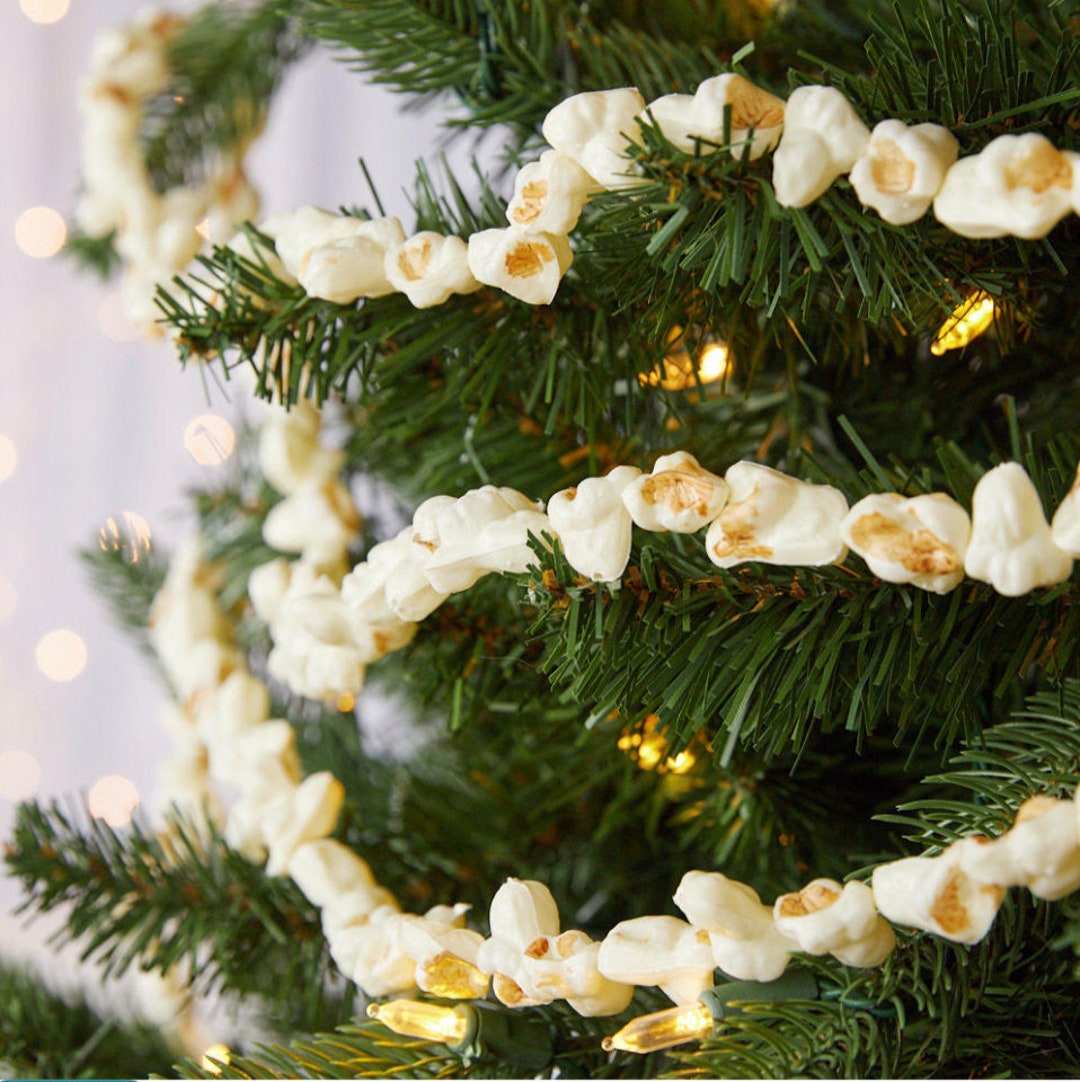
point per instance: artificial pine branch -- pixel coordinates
(44, 1035)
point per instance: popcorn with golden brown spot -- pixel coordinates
(1017, 185)
(903, 169)
(549, 194)
(921, 540)
(679, 495)
(429, 268)
(776, 519)
(527, 265)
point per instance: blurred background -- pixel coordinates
(101, 430)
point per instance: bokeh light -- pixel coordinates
(113, 798)
(40, 232)
(9, 599)
(20, 775)
(114, 322)
(209, 439)
(61, 655)
(127, 533)
(9, 456)
(44, 11)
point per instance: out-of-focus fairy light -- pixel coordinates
(9, 456)
(61, 655)
(44, 11)
(970, 318)
(209, 439)
(113, 798)
(219, 1052)
(648, 747)
(40, 232)
(20, 775)
(678, 371)
(113, 320)
(9, 599)
(127, 533)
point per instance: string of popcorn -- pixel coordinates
(281, 817)
(156, 234)
(1018, 185)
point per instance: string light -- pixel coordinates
(130, 536)
(216, 1056)
(61, 655)
(428, 1021)
(113, 798)
(40, 232)
(662, 1029)
(648, 747)
(209, 439)
(678, 371)
(970, 318)
(44, 12)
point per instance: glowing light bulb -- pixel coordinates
(40, 232)
(113, 798)
(44, 12)
(428, 1021)
(648, 747)
(216, 1052)
(970, 318)
(20, 775)
(678, 370)
(209, 439)
(61, 655)
(662, 1029)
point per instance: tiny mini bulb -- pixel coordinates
(972, 316)
(428, 1021)
(662, 1029)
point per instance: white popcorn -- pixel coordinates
(303, 814)
(686, 119)
(1012, 546)
(526, 265)
(549, 194)
(333, 878)
(827, 918)
(1065, 525)
(1041, 851)
(486, 530)
(664, 951)
(290, 455)
(679, 495)
(1018, 185)
(240, 703)
(428, 268)
(200, 666)
(532, 963)
(776, 519)
(745, 941)
(314, 650)
(823, 138)
(593, 525)
(317, 520)
(267, 586)
(936, 894)
(595, 129)
(261, 762)
(921, 540)
(903, 169)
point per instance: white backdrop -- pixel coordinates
(97, 423)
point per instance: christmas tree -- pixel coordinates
(689, 496)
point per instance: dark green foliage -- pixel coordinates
(97, 255)
(44, 1035)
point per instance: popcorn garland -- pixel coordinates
(1018, 185)
(157, 234)
(285, 819)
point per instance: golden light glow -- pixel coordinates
(113, 798)
(40, 232)
(20, 775)
(428, 1021)
(129, 535)
(969, 319)
(450, 977)
(648, 747)
(113, 320)
(346, 703)
(209, 439)
(662, 1029)
(9, 456)
(61, 655)
(676, 372)
(44, 11)
(9, 599)
(219, 1052)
